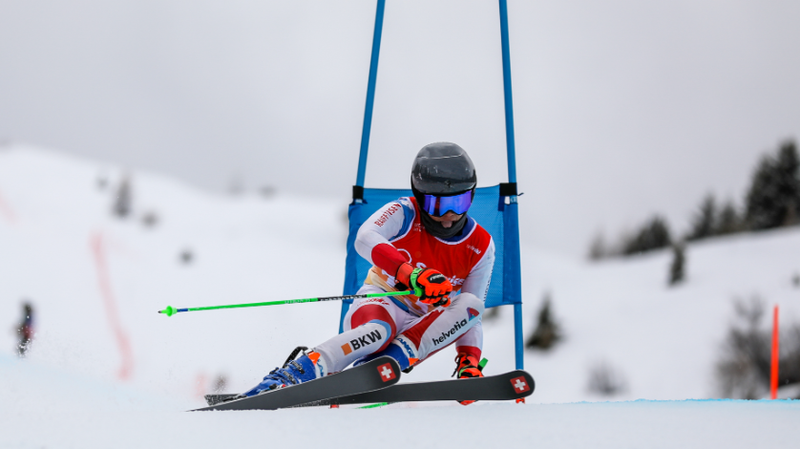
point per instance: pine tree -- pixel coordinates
(677, 268)
(774, 196)
(547, 332)
(704, 222)
(653, 235)
(788, 182)
(728, 221)
(760, 213)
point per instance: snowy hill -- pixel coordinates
(663, 341)
(102, 355)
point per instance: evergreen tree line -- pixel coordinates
(772, 201)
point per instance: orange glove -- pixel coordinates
(431, 286)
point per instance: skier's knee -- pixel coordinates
(373, 314)
(466, 301)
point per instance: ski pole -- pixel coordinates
(169, 311)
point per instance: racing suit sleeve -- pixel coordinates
(372, 240)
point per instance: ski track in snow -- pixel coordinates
(663, 342)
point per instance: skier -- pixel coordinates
(25, 330)
(426, 243)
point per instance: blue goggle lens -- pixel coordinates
(440, 205)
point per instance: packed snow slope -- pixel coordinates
(106, 370)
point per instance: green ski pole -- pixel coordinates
(169, 311)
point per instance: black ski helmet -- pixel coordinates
(442, 168)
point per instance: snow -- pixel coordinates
(106, 370)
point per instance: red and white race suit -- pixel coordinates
(394, 235)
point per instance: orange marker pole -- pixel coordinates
(773, 387)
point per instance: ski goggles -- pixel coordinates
(440, 205)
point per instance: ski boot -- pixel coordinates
(294, 371)
(467, 366)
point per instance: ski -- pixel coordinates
(373, 375)
(214, 399)
(501, 387)
(507, 386)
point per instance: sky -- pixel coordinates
(622, 109)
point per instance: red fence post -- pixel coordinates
(775, 358)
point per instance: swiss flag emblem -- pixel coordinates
(520, 384)
(386, 371)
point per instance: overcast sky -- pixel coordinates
(622, 108)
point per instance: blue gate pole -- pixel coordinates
(373, 76)
(365, 131)
(512, 260)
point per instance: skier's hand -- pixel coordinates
(431, 286)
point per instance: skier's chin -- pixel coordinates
(438, 229)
